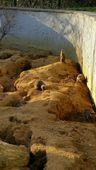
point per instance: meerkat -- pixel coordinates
(62, 57)
(89, 114)
(40, 85)
(1, 88)
(80, 78)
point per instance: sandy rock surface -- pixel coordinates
(13, 156)
(57, 125)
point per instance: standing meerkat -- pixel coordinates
(62, 56)
(40, 85)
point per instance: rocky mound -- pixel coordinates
(56, 125)
(65, 97)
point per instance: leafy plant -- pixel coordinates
(7, 22)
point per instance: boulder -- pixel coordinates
(12, 156)
(12, 100)
(6, 84)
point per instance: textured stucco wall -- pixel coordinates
(75, 32)
(86, 49)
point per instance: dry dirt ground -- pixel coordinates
(57, 125)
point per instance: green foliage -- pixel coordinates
(59, 4)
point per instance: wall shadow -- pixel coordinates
(29, 32)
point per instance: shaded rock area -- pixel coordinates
(18, 134)
(56, 126)
(11, 99)
(5, 54)
(37, 160)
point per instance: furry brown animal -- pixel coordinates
(80, 78)
(62, 56)
(89, 115)
(40, 85)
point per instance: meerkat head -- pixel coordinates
(81, 78)
(43, 87)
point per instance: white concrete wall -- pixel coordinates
(86, 48)
(75, 32)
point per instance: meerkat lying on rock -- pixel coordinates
(40, 85)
